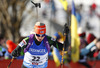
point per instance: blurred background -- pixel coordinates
(18, 17)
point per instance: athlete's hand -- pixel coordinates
(66, 29)
(15, 53)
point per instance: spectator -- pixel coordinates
(82, 35)
(83, 43)
(3, 51)
(90, 37)
(59, 37)
(92, 50)
(10, 45)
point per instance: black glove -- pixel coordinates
(66, 29)
(16, 52)
(66, 34)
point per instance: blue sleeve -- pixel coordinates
(3, 50)
(86, 50)
(6, 55)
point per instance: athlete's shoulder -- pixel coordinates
(24, 41)
(27, 38)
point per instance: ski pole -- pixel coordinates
(10, 62)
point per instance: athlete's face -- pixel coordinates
(39, 37)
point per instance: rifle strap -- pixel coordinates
(45, 41)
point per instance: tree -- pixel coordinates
(11, 16)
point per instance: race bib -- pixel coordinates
(35, 60)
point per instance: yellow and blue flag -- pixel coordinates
(64, 4)
(75, 41)
(56, 56)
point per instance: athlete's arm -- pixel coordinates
(55, 43)
(22, 44)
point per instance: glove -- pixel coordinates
(16, 52)
(66, 34)
(66, 29)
